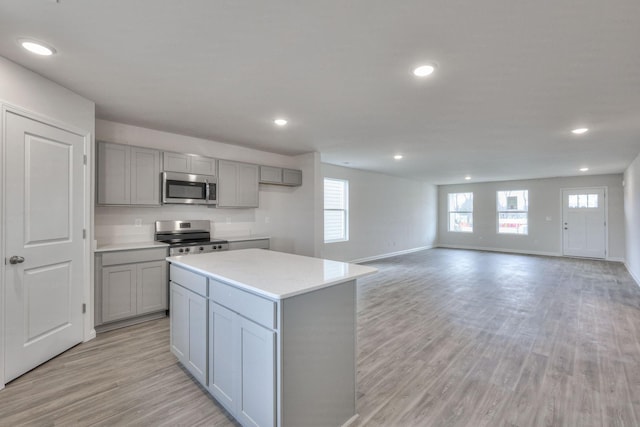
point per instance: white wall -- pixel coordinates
(23, 90)
(283, 212)
(386, 215)
(632, 217)
(545, 211)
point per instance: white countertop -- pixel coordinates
(242, 238)
(276, 275)
(130, 246)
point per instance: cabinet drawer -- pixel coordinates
(136, 255)
(253, 307)
(187, 279)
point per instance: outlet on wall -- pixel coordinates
(137, 222)
(267, 220)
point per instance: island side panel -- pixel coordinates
(318, 357)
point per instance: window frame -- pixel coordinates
(498, 212)
(345, 183)
(449, 212)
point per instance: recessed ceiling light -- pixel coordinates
(36, 47)
(584, 169)
(280, 122)
(580, 131)
(467, 178)
(424, 70)
(397, 156)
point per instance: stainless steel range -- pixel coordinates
(188, 237)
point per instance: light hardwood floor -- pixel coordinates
(446, 338)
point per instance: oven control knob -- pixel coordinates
(201, 248)
(187, 249)
(219, 246)
(180, 250)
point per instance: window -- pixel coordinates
(513, 212)
(461, 212)
(336, 204)
(580, 201)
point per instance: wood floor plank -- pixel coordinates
(445, 338)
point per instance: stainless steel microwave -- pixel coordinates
(186, 188)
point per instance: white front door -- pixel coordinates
(584, 222)
(44, 244)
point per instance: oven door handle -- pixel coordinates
(207, 192)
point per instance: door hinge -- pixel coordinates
(84, 159)
(84, 308)
(84, 233)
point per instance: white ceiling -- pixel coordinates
(513, 78)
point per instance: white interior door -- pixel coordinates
(584, 222)
(44, 244)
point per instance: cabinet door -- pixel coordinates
(227, 184)
(247, 185)
(145, 176)
(203, 165)
(152, 287)
(114, 174)
(292, 177)
(237, 185)
(271, 175)
(189, 331)
(224, 360)
(256, 403)
(197, 357)
(118, 292)
(176, 162)
(179, 322)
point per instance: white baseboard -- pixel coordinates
(391, 254)
(503, 250)
(616, 259)
(351, 420)
(633, 276)
(92, 335)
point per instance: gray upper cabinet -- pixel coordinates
(114, 174)
(291, 177)
(237, 185)
(145, 176)
(270, 175)
(189, 163)
(280, 176)
(128, 175)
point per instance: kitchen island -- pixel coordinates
(272, 336)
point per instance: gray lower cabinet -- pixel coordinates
(269, 362)
(127, 175)
(242, 366)
(130, 284)
(237, 185)
(189, 330)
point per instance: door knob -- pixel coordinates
(566, 228)
(16, 259)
